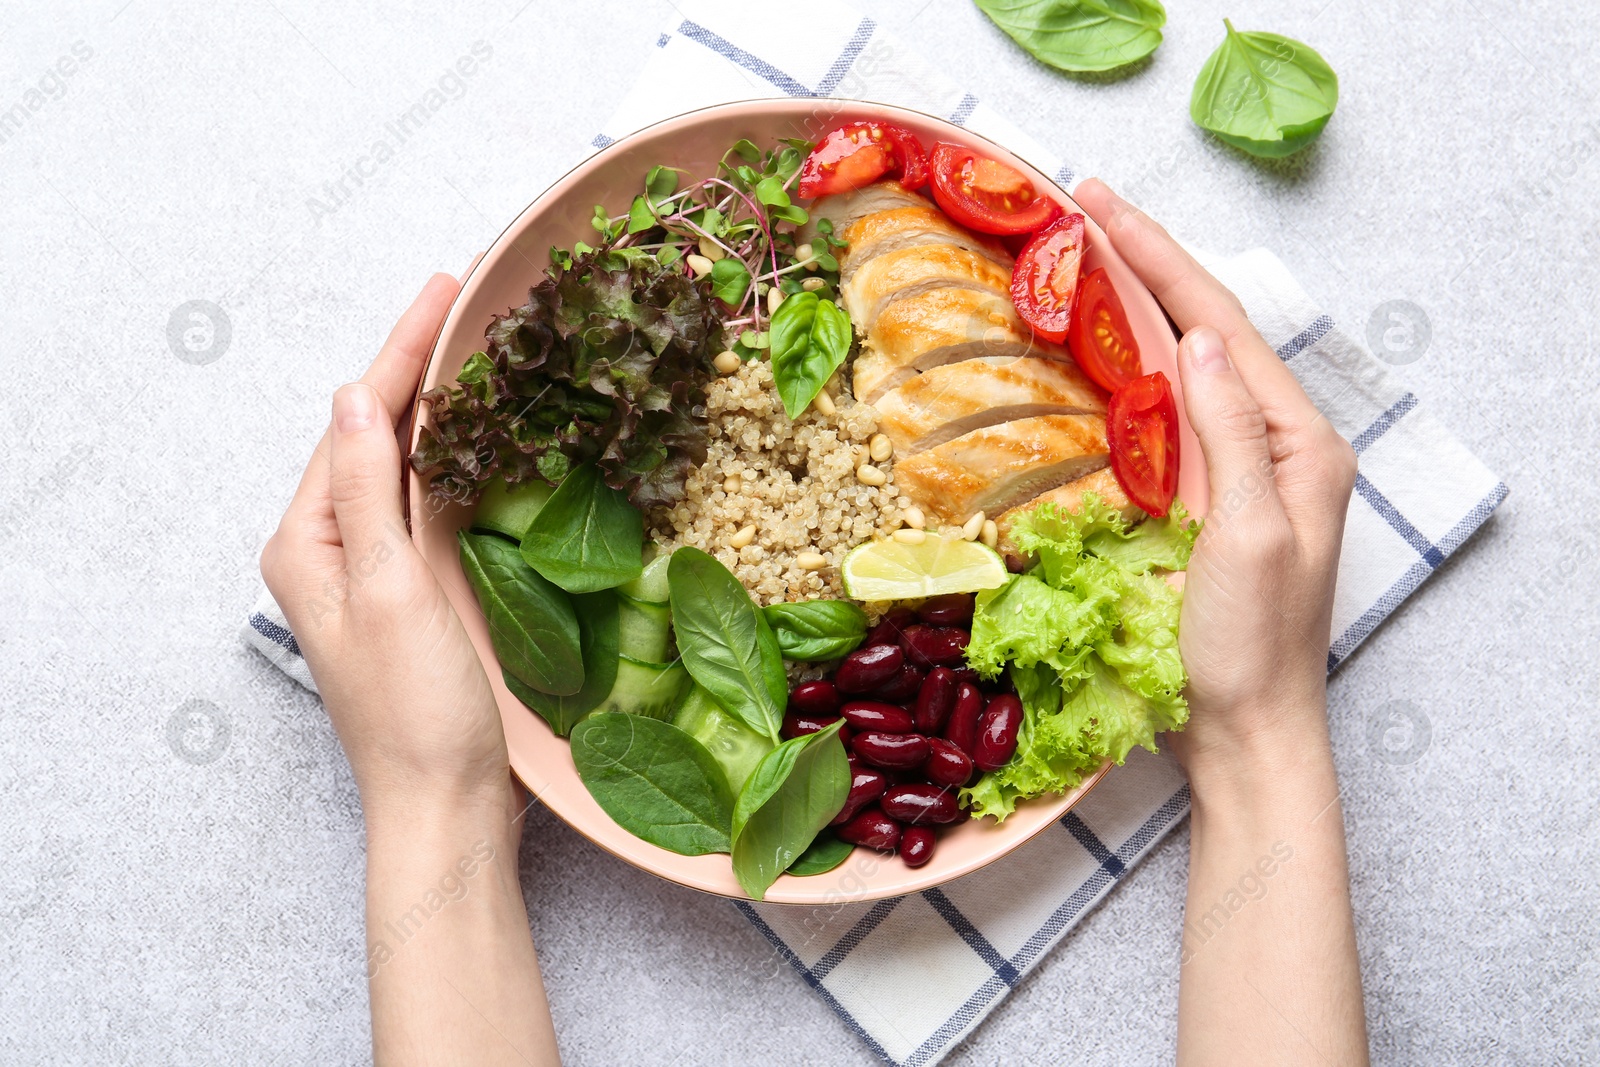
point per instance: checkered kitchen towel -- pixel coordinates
(912, 976)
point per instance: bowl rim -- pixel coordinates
(1060, 804)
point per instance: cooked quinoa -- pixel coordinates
(796, 482)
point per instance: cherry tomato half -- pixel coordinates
(858, 154)
(1044, 280)
(986, 195)
(1142, 429)
(1099, 336)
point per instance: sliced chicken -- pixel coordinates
(1069, 498)
(998, 467)
(919, 269)
(843, 209)
(882, 232)
(943, 403)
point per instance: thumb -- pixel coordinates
(364, 474)
(1226, 418)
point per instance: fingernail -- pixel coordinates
(354, 408)
(1207, 353)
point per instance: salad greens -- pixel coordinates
(656, 781)
(810, 339)
(1081, 35)
(823, 855)
(1264, 93)
(816, 630)
(531, 622)
(588, 536)
(598, 642)
(794, 792)
(1088, 635)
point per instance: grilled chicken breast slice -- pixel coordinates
(882, 232)
(843, 209)
(907, 272)
(1069, 498)
(998, 467)
(943, 403)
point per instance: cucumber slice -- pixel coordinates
(510, 509)
(735, 747)
(642, 629)
(649, 689)
(650, 586)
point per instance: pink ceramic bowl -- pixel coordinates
(695, 142)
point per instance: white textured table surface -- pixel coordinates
(155, 908)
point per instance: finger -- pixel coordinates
(364, 474)
(1194, 298)
(398, 369)
(1229, 423)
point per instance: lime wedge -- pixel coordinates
(890, 570)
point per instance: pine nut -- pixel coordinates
(731, 484)
(727, 362)
(774, 298)
(973, 527)
(991, 533)
(879, 447)
(867, 474)
(811, 561)
(802, 253)
(711, 250)
(699, 264)
(915, 518)
(743, 537)
(824, 404)
(910, 537)
(811, 285)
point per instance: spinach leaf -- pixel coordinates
(790, 797)
(588, 536)
(531, 622)
(825, 853)
(1081, 35)
(815, 630)
(598, 637)
(730, 280)
(1264, 93)
(810, 338)
(656, 781)
(725, 642)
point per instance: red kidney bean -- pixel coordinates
(947, 764)
(872, 715)
(935, 646)
(952, 609)
(902, 687)
(962, 728)
(820, 697)
(997, 732)
(896, 751)
(916, 845)
(871, 828)
(935, 699)
(866, 785)
(888, 630)
(920, 804)
(867, 668)
(797, 725)
(965, 674)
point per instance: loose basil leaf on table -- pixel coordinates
(598, 636)
(816, 630)
(825, 853)
(1081, 35)
(588, 536)
(531, 622)
(656, 781)
(1264, 93)
(725, 643)
(794, 792)
(810, 338)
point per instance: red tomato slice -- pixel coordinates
(986, 195)
(1142, 429)
(1099, 336)
(1044, 280)
(859, 153)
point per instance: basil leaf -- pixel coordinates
(587, 536)
(1081, 35)
(598, 636)
(730, 280)
(810, 338)
(1264, 93)
(725, 643)
(815, 630)
(825, 853)
(531, 622)
(791, 796)
(656, 781)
